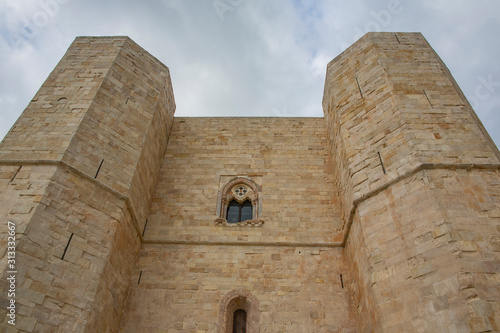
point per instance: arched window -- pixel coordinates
(240, 321)
(239, 212)
(239, 202)
(239, 313)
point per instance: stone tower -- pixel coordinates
(382, 216)
(78, 170)
(418, 176)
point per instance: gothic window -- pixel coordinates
(239, 202)
(239, 212)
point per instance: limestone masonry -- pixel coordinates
(383, 216)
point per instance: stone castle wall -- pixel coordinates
(291, 264)
(182, 288)
(384, 216)
(288, 158)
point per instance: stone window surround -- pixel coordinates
(235, 300)
(227, 195)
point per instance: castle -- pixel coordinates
(383, 216)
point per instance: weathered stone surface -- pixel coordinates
(419, 178)
(382, 217)
(289, 159)
(185, 284)
(77, 173)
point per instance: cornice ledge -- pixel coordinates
(421, 167)
(74, 170)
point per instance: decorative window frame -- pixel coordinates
(235, 300)
(228, 193)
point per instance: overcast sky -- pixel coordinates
(248, 57)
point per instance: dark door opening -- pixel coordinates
(240, 321)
